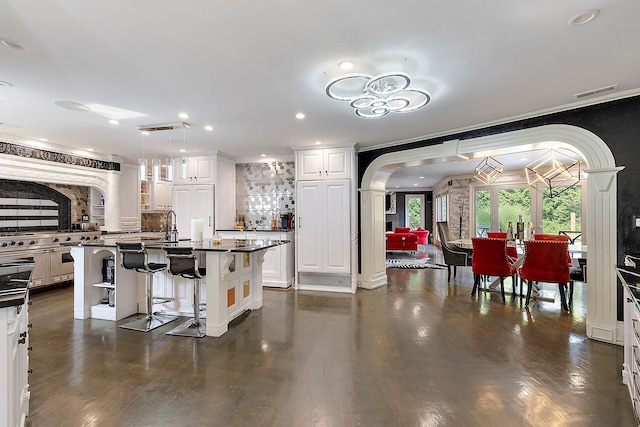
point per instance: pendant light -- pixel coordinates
(142, 162)
(155, 166)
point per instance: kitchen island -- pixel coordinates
(233, 283)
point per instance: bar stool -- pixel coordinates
(133, 256)
(183, 262)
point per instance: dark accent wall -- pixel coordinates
(617, 123)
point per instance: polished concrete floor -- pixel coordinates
(416, 353)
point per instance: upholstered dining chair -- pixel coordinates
(512, 253)
(545, 261)
(490, 259)
(453, 255)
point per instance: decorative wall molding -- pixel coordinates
(52, 156)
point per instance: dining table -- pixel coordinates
(537, 293)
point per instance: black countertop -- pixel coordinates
(15, 276)
(226, 245)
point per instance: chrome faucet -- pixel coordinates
(171, 236)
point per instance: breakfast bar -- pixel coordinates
(233, 282)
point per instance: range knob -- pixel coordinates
(67, 239)
(55, 239)
(20, 243)
(95, 237)
(32, 242)
(4, 244)
(12, 243)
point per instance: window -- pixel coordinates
(441, 207)
(496, 205)
(414, 210)
(483, 212)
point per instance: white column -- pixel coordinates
(373, 272)
(601, 255)
(112, 202)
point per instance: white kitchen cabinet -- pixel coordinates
(279, 263)
(14, 365)
(193, 202)
(129, 198)
(217, 212)
(326, 163)
(323, 222)
(162, 196)
(195, 170)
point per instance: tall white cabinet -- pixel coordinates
(206, 192)
(326, 237)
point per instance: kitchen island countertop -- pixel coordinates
(226, 245)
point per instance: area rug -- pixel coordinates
(413, 263)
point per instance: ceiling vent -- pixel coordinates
(163, 126)
(595, 91)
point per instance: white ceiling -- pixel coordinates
(246, 68)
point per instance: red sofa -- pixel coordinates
(405, 239)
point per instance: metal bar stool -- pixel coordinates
(183, 262)
(133, 256)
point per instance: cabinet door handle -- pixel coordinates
(22, 340)
(209, 220)
(319, 173)
(299, 222)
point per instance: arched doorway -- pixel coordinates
(602, 321)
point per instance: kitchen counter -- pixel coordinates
(232, 286)
(15, 275)
(226, 245)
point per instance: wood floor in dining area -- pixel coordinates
(418, 352)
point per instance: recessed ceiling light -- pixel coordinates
(114, 122)
(421, 177)
(209, 128)
(584, 17)
(90, 149)
(182, 150)
(415, 185)
(346, 65)
(11, 44)
(317, 142)
(70, 105)
(144, 132)
(6, 84)
(300, 116)
(183, 115)
(263, 155)
(43, 139)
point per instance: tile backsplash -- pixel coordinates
(264, 191)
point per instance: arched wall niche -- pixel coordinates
(601, 171)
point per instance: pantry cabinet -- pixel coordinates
(326, 237)
(323, 226)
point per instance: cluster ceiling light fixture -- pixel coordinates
(156, 164)
(557, 171)
(376, 96)
(488, 170)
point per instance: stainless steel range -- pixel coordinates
(53, 263)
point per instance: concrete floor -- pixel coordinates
(418, 352)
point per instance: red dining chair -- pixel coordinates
(545, 261)
(490, 259)
(511, 250)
